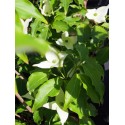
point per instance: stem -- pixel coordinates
(17, 73)
(85, 3)
(23, 102)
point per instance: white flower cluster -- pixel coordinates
(98, 15)
(53, 59)
(66, 40)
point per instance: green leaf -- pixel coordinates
(87, 85)
(26, 9)
(82, 107)
(42, 95)
(36, 79)
(37, 117)
(96, 73)
(72, 90)
(102, 55)
(22, 108)
(23, 57)
(71, 20)
(83, 51)
(83, 32)
(60, 26)
(55, 91)
(86, 121)
(99, 33)
(60, 98)
(65, 4)
(26, 43)
(106, 25)
(81, 2)
(43, 29)
(71, 121)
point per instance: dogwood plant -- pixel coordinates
(54, 59)
(60, 69)
(66, 40)
(98, 15)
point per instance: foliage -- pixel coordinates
(73, 86)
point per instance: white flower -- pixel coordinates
(54, 59)
(62, 114)
(67, 41)
(25, 25)
(47, 9)
(98, 15)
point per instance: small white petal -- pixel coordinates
(50, 105)
(59, 42)
(62, 56)
(65, 34)
(103, 10)
(44, 64)
(62, 114)
(90, 13)
(52, 57)
(25, 25)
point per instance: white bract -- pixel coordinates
(46, 9)
(62, 114)
(25, 25)
(98, 15)
(67, 41)
(53, 59)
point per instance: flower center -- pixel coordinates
(95, 14)
(54, 61)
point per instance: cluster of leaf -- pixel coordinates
(75, 87)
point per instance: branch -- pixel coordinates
(23, 102)
(85, 3)
(17, 73)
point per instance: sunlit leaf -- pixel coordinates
(26, 9)
(42, 95)
(36, 79)
(60, 26)
(27, 43)
(23, 57)
(65, 4)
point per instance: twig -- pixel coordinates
(23, 102)
(85, 3)
(17, 73)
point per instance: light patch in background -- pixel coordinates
(117, 62)
(7, 62)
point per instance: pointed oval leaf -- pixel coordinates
(35, 80)
(87, 85)
(26, 9)
(42, 95)
(23, 57)
(72, 90)
(96, 73)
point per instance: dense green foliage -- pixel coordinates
(72, 88)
